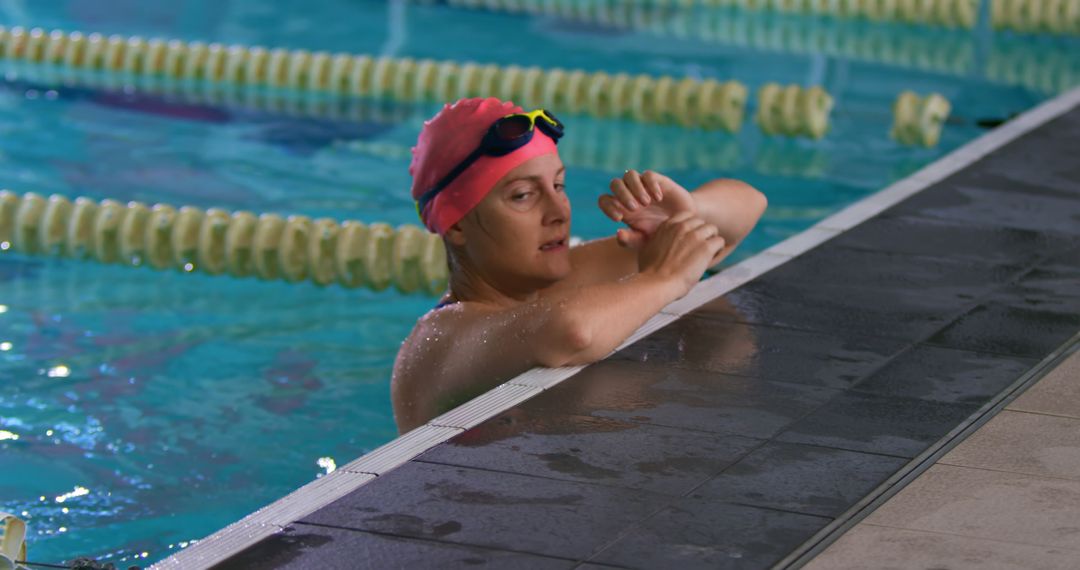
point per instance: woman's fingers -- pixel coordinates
(706, 231)
(611, 207)
(651, 179)
(625, 197)
(633, 181)
(629, 238)
(635, 190)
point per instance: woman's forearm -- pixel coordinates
(733, 206)
(595, 319)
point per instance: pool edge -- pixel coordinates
(316, 494)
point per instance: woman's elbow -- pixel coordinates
(569, 339)
(755, 199)
(761, 201)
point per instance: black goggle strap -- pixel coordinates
(547, 123)
(428, 196)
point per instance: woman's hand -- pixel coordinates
(643, 201)
(681, 250)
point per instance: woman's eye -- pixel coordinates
(519, 196)
(560, 186)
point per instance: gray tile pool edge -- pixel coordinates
(917, 466)
(325, 490)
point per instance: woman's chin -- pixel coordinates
(560, 268)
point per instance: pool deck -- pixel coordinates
(1007, 497)
(845, 399)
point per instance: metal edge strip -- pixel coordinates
(407, 446)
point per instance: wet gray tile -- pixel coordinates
(1007, 329)
(803, 478)
(878, 424)
(706, 534)
(491, 509)
(928, 237)
(998, 177)
(593, 450)
(676, 397)
(932, 277)
(1066, 261)
(1050, 289)
(769, 353)
(1034, 166)
(303, 546)
(946, 375)
(990, 206)
(849, 313)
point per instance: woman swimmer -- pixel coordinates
(488, 179)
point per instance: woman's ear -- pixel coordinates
(455, 235)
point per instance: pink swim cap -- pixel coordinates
(450, 136)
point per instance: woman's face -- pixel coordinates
(519, 235)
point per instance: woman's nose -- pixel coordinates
(556, 205)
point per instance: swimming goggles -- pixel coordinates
(505, 136)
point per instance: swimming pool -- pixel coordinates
(152, 408)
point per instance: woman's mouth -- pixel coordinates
(554, 245)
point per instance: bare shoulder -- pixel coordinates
(429, 341)
(426, 357)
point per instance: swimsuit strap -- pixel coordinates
(444, 303)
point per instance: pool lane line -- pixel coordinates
(307, 499)
(688, 101)
(925, 460)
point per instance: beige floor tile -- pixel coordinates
(871, 546)
(1056, 393)
(1021, 442)
(987, 504)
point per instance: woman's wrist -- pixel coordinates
(668, 288)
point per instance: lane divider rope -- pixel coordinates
(793, 110)
(1048, 71)
(241, 244)
(707, 103)
(918, 120)
(1036, 16)
(943, 13)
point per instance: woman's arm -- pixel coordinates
(733, 206)
(462, 351)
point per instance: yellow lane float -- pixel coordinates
(241, 244)
(12, 541)
(644, 98)
(919, 120)
(624, 14)
(793, 111)
(1036, 16)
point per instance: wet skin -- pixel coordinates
(524, 298)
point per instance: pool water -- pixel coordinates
(140, 410)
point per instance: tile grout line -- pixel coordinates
(968, 536)
(222, 544)
(1020, 473)
(922, 462)
(1047, 414)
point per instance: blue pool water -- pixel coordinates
(152, 408)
